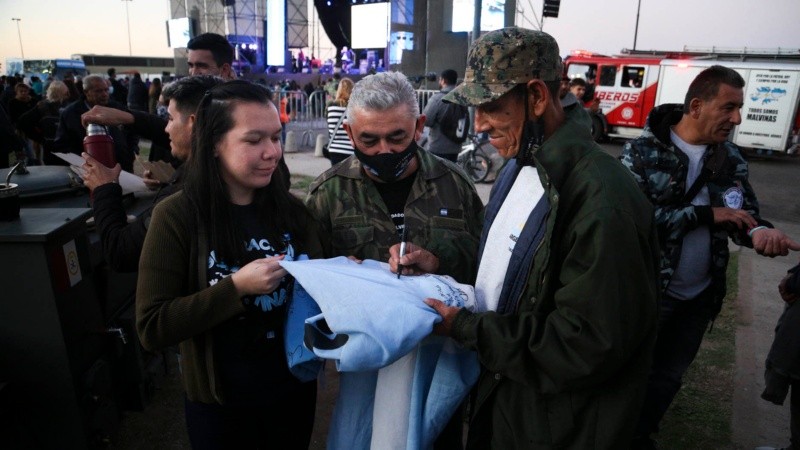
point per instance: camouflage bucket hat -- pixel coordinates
(504, 58)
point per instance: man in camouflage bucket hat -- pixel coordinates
(568, 272)
(392, 187)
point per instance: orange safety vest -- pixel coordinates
(284, 116)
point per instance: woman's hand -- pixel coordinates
(258, 277)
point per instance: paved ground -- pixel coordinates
(755, 421)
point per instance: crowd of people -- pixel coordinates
(32, 111)
(595, 279)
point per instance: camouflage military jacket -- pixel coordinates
(443, 214)
(660, 170)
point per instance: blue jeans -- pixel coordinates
(681, 326)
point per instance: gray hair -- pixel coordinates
(88, 80)
(383, 91)
(57, 91)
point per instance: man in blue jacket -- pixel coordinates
(568, 273)
(698, 184)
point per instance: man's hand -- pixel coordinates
(448, 313)
(773, 242)
(103, 115)
(737, 217)
(96, 173)
(788, 297)
(416, 260)
(149, 181)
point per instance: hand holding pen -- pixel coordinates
(402, 252)
(416, 260)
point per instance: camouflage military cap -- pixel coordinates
(504, 58)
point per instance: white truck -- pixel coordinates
(771, 112)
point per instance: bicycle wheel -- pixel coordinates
(477, 166)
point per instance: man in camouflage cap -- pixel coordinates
(503, 59)
(390, 188)
(568, 272)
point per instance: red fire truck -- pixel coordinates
(626, 87)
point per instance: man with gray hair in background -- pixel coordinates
(208, 54)
(70, 133)
(122, 241)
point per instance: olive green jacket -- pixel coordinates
(443, 214)
(175, 304)
(568, 368)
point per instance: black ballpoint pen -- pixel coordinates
(402, 251)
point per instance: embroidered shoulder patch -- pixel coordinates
(733, 198)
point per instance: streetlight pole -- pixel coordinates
(15, 19)
(128, 18)
(636, 30)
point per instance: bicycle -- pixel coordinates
(474, 160)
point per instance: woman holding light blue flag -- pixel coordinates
(210, 279)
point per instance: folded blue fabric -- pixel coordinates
(399, 385)
(303, 363)
(383, 317)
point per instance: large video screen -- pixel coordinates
(179, 31)
(493, 13)
(370, 25)
(276, 33)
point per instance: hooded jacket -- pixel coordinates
(660, 170)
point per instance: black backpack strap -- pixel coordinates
(711, 167)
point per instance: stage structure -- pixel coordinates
(423, 36)
(247, 25)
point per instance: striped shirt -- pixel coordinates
(341, 142)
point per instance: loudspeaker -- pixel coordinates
(228, 2)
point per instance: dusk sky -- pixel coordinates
(58, 28)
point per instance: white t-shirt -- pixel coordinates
(693, 275)
(503, 235)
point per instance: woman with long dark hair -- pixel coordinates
(209, 278)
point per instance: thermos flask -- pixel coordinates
(99, 145)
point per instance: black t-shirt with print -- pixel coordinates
(395, 196)
(248, 349)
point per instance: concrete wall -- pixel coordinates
(434, 48)
(437, 49)
(446, 50)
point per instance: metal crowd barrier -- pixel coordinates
(305, 108)
(310, 110)
(423, 96)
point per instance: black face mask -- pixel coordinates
(388, 166)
